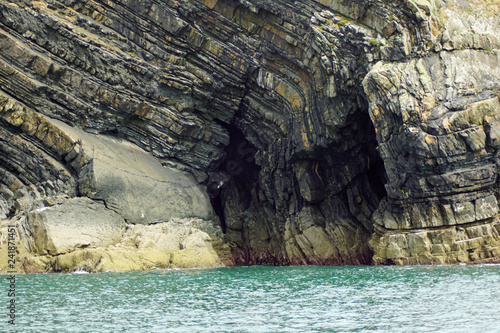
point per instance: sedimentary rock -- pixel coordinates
(320, 132)
(71, 224)
(119, 185)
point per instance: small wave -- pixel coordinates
(80, 271)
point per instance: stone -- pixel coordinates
(134, 184)
(173, 244)
(75, 223)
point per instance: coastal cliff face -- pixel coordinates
(139, 134)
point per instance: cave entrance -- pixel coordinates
(367, 190)
(231, 186)
(360, 129)
(375, 173)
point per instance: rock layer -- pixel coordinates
(120, 187)
(440, 158)
(321, 132)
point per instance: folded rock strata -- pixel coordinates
(311, 132)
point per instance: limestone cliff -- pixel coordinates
(191, 133)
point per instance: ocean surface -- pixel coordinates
(261, 299)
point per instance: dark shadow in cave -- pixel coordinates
(376, 174)
(353, 169)
(362, 148)
(237, 174)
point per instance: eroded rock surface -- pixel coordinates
(71, 224)
(311, 132)
(436, 120)
(121, 187)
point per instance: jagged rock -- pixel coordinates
(177, 243)
(313, 129)
(76, 234)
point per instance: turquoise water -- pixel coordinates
(263, 299)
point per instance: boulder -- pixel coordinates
(135, 184)
(173, 244)
(74, 223)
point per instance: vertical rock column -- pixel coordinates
(436, 121)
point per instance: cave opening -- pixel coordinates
(236, 177)
(375, 169)
(375, 173)
(354, 171)
(358, 150)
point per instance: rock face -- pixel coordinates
(311, 132)
(441, 158)
(120, 188)
(74, 223)
(133, 183)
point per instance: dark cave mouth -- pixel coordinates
(233, 185)
(362, 157)
(375, 168)
(376, 175)
(237, 175)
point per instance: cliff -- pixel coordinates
(139, 134)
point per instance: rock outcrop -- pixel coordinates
(116, 207)
(249, 132)
(441, 158)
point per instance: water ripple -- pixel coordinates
(265, 299)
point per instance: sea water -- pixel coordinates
(262, 299)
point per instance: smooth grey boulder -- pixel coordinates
(72, 224)
(134, 184)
